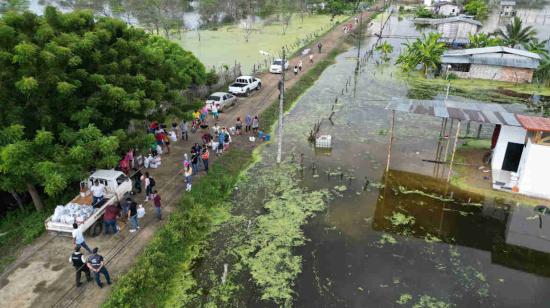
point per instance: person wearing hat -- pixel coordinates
(95, 263)
(79, 263)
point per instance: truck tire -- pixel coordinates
(96, 229)
(247, 94)
(259, 86)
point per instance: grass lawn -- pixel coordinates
(227, 44)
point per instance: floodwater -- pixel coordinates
(405, 237)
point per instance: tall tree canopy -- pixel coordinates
(425, 52)
(69, 86)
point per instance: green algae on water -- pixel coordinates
(404, 299)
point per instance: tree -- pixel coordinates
(13, 5)
(423, 12)
(515, 34)
(335, 7)
(426, 52)
(478, 8)
(480, 40)
(70, 81)
(536, 46)
(543, 71)
(385, 49)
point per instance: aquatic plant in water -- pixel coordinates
(400, 219)
(268, 251)
(427, 301)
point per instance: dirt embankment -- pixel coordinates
(42, 276)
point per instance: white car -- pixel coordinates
(220, 99)
(277, 66)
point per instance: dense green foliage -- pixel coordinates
(425, 51)
(477, 8)
(70, 86)
(536, 46)
(543, 71)
(481, 39)
(423, 12)
(515, 33)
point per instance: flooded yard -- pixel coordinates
(402, 237)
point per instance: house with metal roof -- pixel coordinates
(454, 30)
(493, 63)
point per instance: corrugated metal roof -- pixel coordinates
(431, 21)
(500, 56)
(494, 59)
(456, 19)
(482, 113)
(494, 49)
(534, 123)
(507, 2)
(442, 3)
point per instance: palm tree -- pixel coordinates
(543, 71)
(426, 52)
(385, 48)
(515, 34)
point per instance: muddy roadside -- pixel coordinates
(41, 275)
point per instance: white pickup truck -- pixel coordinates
(244, 85)
(80, 210)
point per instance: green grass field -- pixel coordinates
(227, 45)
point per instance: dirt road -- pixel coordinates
(42, 276)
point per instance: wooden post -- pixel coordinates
(479, 130)
(448, 140)
(468, 129)
(391, 140)
(453, 153)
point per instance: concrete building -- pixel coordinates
(494, 63)
(507, 8)
(446, 8)
(521, 157)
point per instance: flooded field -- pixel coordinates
(402, 237)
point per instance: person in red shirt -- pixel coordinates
(109, 219)
(156, 201)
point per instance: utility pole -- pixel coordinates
(281, 110)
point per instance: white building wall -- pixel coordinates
(534, 178)
(507, 134)
(457, 30)
(449, 10)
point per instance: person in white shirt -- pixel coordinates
(98, 190)
(78, 238)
